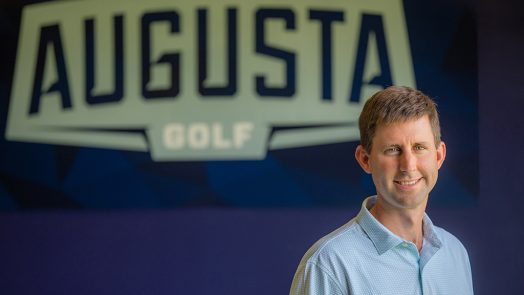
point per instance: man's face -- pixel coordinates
(403, 162)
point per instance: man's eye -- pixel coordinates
(420, 148)
(392, 150)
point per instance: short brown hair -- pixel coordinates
(396, 104)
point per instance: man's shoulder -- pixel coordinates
(324, 266)
(342, 242)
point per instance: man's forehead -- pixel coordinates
(415, 129)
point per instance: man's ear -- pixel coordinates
(441, 153)
(363, 158)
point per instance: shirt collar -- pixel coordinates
(383, 238)
(430, 235)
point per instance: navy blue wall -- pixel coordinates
(243, 251)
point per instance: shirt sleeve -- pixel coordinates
(468, 270)
(313, 279)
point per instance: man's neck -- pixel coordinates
(405, 223)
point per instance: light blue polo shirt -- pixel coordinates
(364, 257)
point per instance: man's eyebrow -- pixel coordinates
(385, 146)
(422, 143)
(390, 145)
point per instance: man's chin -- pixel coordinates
(412, 202)
(407, 200)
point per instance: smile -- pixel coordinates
(407, 182)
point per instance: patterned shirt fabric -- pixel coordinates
(363, 257)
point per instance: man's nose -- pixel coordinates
(408, 161)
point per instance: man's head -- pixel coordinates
(400, 146)
(396, 104)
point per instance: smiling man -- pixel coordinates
(391, 246)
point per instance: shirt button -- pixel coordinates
(405, 245)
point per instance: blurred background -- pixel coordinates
(94, 201)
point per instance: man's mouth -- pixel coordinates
(409, 182)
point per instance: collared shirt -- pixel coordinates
(364, 257)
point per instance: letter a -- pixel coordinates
(50, 35)
(371, 24)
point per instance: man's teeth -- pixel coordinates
(411, 182)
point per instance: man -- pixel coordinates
(391, 246)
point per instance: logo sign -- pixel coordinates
(203, 80)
